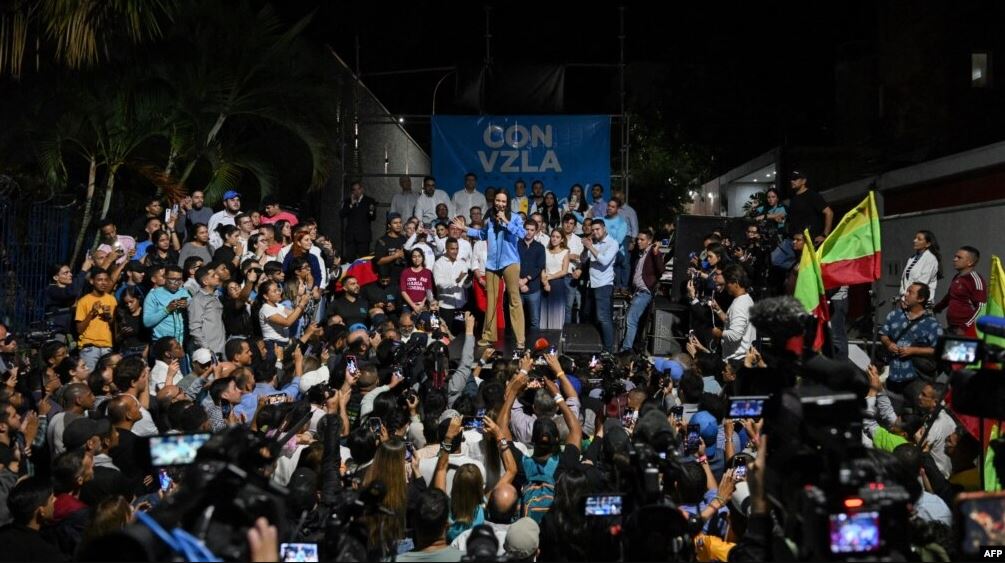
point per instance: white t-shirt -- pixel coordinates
(272, 331)
(575, 244)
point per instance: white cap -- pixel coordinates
(202, 356)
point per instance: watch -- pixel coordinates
(503, 443)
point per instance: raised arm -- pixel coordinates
(443, 460)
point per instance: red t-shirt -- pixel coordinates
(415, 284)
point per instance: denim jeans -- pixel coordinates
(621, 266)
(91, 355)
(605, 313)
(571, 298)
(640, 302)
(532, 312)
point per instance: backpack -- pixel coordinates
(539, 492)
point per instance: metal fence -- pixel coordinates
(33, 237)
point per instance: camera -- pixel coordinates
(168, 450)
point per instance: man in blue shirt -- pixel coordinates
(265, 385)
(909, 331)
(599, 206)
(164, 307)
(601, 251)
(532, 263)
(502, 232)
(617, 228)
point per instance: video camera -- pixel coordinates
(976, 392)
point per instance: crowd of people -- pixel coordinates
(337, 395)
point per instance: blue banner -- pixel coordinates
(559, 150)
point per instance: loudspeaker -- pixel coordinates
(663, 340)
(691, 230)
(581, 339)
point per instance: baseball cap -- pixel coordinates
(357, 326)
(797, 175)
(78, 432)
(664, 365)
(202, 356)
(708, 428)
(230, 194)
(545, 433)
(522, 538)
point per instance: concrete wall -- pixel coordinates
(978, 226)
(738, 194)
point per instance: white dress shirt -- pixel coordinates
(425, 206)
(453, 295)
(464, 201)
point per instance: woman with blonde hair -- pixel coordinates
(389, 467)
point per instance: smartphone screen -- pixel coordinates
(298, 552)
(350, 364)
(175, 449)
(740, 473)
(959, 350)
(677, 412)
(603, 505)
(693, 439)
(276, 399)
(854, 533)
(747, 407)
(375, 424)
(165, 480)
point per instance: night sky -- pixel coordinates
(739, 79)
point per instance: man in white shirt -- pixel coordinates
(469, 197)
(231, 207)
(404, 203)
(938, 426)
(425, 205)
(519, 202)
(739, 333)
(575, 244)
(464, 248)
(602, 251)
(452, 278)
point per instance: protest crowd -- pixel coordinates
(233, 385)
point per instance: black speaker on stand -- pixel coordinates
(581, 338)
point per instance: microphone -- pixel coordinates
(988, 324)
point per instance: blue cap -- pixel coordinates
(357, 326)
(664, 365)
(425, 317)
(708, 428)
(230, 194)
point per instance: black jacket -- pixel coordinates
(356, 219)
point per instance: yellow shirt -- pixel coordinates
(99, 331)
(711, 548)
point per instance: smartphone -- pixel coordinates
(164, 479)
(552, 350)
(978, 515)
(434, 322)
(476, 422)
(751, 406)
(298, 552)
(604, 505)
(693, 439)
(396, 374)
(275, 399)
(665, 243)
(167, 215)
(740, 472)
(677, 412)
(409, 450)
(350, 365)
(375, 424)
(854, 532)
(175, 449)
(594, 362)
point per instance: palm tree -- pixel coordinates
(107, 126)
(242, 79)
(79, 33)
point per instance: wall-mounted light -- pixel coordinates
(401, 120)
